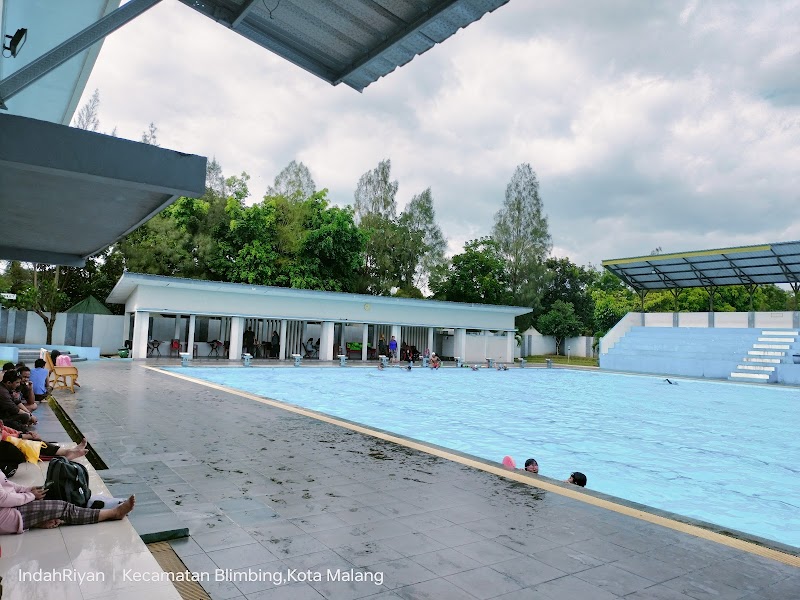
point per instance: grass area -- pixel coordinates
(562, 360)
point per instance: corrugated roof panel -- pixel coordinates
(769, 263)
(354, 41)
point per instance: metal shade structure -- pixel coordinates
(744, 265)
(68, 193)
(354, 42)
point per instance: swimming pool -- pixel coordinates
(724, 453)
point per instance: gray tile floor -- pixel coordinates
(265, 491)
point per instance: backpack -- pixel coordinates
(11, 457)
(68, 481)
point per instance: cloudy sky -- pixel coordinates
(671, 124)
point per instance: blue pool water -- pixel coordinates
(719, 452)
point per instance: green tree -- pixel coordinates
(420, 217)
(570, 283)
(332, 249)
(610, 307)
(560, 321)
(151, 135)
(478, 275)
(375, 193)
(294, 182)
(44, 296)
(521, 232)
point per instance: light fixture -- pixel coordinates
(17, 41)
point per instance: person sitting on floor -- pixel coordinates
(11, 412)
(577, 478)
(23, 508)
(39, 380)
(26, 389)
(435, 361)
(50, 449)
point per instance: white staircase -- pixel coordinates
(770, 350)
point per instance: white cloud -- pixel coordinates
(648, 124)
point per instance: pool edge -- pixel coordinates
(750, 543)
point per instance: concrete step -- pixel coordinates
(784, 333)
(756, 368)
(772, 346)
(775, 361)
(788, 340)
(763, 377)
(765, 353)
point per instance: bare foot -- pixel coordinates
(124, 508)
(51, 524)
(77, 451)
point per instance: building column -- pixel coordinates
(364, 342)
(126, 329)
(430, 339)
(510, 343)
(343, 339)
(237, 331)
(485, 335)
(190, 337)
(177, 335)
(141, 323)
(460, 343)
(282, 345)
(326, 341)
(397, 332)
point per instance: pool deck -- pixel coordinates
(266, 489)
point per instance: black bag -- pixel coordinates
(68, 481)
(11, 457)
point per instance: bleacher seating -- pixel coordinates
(692, 352)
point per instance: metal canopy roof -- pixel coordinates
(67, 193)
(746, 265)
(355, 42)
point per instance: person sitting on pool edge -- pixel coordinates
(577, 478)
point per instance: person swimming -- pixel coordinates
(531, 466)
(577, 478)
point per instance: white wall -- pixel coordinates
(579, 346)
(768, 320)
(731, 319)
(107, 333)
(692, 319)
(658, 319)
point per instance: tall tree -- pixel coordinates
(294, 182)
(521, 232)
(375, 193)
(215, 180)
(88, 116)
(419, 216)
(151, 135)
(478, 275)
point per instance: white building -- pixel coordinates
(170, 308)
